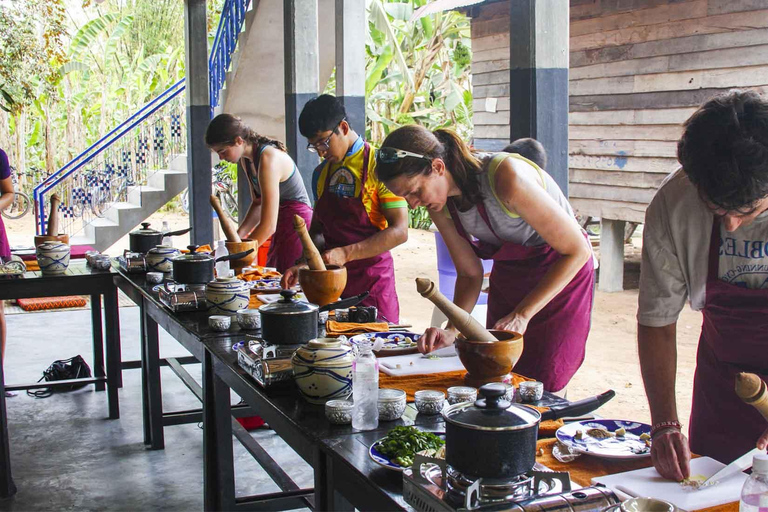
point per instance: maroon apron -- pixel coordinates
(286, 246)
(5, 247)
(556, 336)
(734, 338)
(344, 221)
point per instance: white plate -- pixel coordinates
(628, 447)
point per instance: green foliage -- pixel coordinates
(417, 69)
(418, 218)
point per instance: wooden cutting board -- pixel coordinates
(648, 483)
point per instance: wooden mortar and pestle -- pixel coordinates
(52, 232)
(233, 242)
(488, 356)
(753, 390)
(322, 285)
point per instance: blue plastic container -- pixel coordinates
(446, 271)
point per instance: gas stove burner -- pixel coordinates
(489, 490)
(182, 297)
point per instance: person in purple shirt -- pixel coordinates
(6, 198)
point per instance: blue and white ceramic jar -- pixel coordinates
(159, 258)
(53, 257)
(227, 295)
(323, 370)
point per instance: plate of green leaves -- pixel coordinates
(396, 450)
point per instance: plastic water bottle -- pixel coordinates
(222, 267)
(166, 239)
(365, 389)
(754, 494)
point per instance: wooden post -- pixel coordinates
(351, 28)
(198, 117)
(301, 78)
(611, 255)
(538, 79)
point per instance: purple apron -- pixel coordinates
(734, 338)
(556, 336)
(286, 246)
(344, 221)
(5, 247)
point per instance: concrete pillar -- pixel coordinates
(198, 117)
(301, 78)
(611, 255)
(351, 28)
(538, 79)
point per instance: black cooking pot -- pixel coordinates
(503, 432)
(197, 267)
(144, 239)
(291, 322)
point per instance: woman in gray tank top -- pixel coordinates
(277, 189)
(501, 207)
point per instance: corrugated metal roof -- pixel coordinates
(442, 5)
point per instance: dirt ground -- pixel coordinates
(611, 361)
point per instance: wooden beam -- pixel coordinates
(628, 164)
(612, 193)
(643, 148)
(607, 209)
(630, 117)
(640, 17)
(635, 132)
(617, 178)
(646, 100)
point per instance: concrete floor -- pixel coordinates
(66, 455)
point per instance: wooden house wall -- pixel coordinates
(638, 69)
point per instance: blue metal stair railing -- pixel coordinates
(105, 173)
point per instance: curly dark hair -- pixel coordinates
(724, 150)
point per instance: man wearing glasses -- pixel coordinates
(358, 217)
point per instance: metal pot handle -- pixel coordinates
(579, 408)
(175, 233)
(345, 303)
(235, 256)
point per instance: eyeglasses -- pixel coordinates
(392, 155)
(323, 145)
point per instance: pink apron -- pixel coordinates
(344, 221)
(286, 247)
(556, 336)
(734, 338)
(5, 248)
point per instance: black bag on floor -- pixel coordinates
(63, 369)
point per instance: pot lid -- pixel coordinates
(492, 412)
(194, 256)
(145, 230)
(288, 305)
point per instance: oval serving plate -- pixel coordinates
(384, 460)
(394, 343)
(628, 447)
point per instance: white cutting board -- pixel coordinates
(421, 364)
(648, 483)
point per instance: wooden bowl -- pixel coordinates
(323, 286)
(61, 237)
(239, 264)
(490, 361)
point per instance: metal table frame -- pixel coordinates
(78, 280)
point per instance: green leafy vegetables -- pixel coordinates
(402, 443)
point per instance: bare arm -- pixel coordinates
(6, 193)
(519, 191)
(253, 215)
(274, 166)
(658, 363)
(388, 238)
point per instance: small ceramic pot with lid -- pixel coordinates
(506, 433)
(322, 370)
(227, 295)
(53, 257)
(159, 258)
(391, 404)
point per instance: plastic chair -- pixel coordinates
(447, 275)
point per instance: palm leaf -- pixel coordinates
(380, 19)
(114, 39)
(88, 34)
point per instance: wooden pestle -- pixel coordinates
(460, 319)
(752, 389)
(229, 227)
(53, 216)
(314, 260)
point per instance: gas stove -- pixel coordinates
(437, 487)
(269, 365)
(182, 297)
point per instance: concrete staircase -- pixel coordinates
(143, 201)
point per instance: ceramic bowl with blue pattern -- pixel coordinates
(322, 370)
(53, 257)
(227, 296)
(610, 439)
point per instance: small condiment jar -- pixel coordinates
(458, 394)
(429, 401)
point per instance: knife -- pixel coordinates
(740, 464)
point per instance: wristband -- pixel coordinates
(665, 425)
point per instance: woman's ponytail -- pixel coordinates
(461, 162)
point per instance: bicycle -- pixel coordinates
(21, 204)
(223, 188)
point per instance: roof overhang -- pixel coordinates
(448, 5)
